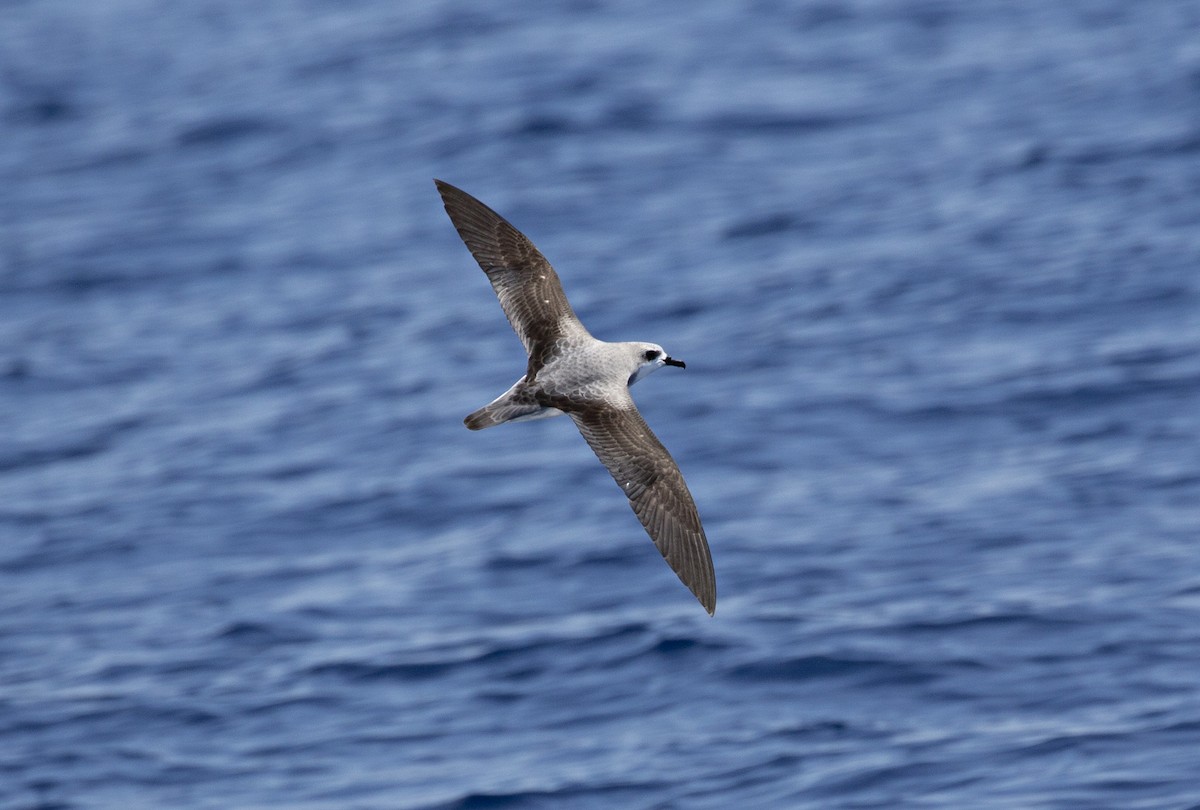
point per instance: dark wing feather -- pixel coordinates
(527, 286)
(651, 480)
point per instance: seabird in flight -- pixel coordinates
(572, 372)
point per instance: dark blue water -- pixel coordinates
(935, 270)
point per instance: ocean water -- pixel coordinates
(935, 270)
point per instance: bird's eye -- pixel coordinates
(651, 354)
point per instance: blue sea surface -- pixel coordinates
(935, 270)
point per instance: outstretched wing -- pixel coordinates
(527, 286)
(651, 480)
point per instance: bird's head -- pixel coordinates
(649, 358)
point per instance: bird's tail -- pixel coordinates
(485, 417)
(514, 405)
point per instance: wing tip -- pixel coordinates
(451, 193)
(702, 583)
(445, 190)
(470, 216)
